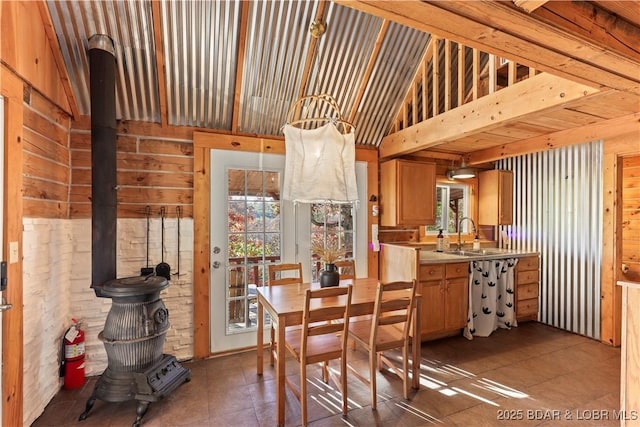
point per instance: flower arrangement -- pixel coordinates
(328, 253)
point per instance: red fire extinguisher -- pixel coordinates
(73, 364)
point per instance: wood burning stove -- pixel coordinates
(133, 335)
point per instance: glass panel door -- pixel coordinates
(247, 233)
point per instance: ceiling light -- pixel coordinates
(463, 172)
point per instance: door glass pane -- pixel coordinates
(254, 239)
(331, 225)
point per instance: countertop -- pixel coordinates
(429, 256)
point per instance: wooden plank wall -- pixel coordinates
(46, 173)
(615, 151)
(27, 51)
(155, 169)
(631, 217)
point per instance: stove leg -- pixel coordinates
(140, 411)
(87, 408)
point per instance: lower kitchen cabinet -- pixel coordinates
(444, 290)
(527, 284)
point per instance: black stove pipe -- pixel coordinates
(102, 67)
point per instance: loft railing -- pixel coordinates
(451, 75)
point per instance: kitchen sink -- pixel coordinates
(472, 252)
(464, 252)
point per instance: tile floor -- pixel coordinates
(533, 375)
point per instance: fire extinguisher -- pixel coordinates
(72, 367)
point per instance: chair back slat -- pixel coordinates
(395, 304)
(392, 320)
(325, 328)
(326, 313)
(346, 268)
(285, 274)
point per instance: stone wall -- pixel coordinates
(57, 278)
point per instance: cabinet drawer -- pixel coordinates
(460, 269)
(431, 272)
(527, 307)
(524, 277)
(527, 291)
(528, 263)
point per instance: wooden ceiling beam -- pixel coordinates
(384, 28)
(579, 30)
(540, 93)
(529, 5)
(57, 57)
(438, 155)
(160, 67)
(600, 130)
(311, 53)
(242, 46)
(501, 29)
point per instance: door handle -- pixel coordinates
(5, 307)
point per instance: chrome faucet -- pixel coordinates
(473, 224)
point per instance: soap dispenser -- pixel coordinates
(476, 243)
(439, 241)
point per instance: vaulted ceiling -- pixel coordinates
(237, 66)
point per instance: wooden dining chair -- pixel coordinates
(281, 274)
(322, 338)
(285, 274)
(389, 328)
(346, 268)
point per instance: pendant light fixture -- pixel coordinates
(463, 172)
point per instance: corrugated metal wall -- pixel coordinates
(558, 212)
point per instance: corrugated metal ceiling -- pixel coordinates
(202, 43)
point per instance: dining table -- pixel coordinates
(285, 305)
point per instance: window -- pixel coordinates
(452, 203)
(334, 223)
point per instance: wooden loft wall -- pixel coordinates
(451, 75)
(542, 91)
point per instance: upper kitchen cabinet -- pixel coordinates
(407, 193)
(495, 197)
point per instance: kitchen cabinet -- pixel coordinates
(444, 289)
(407, 193)
(527, 281)
(495, 197)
